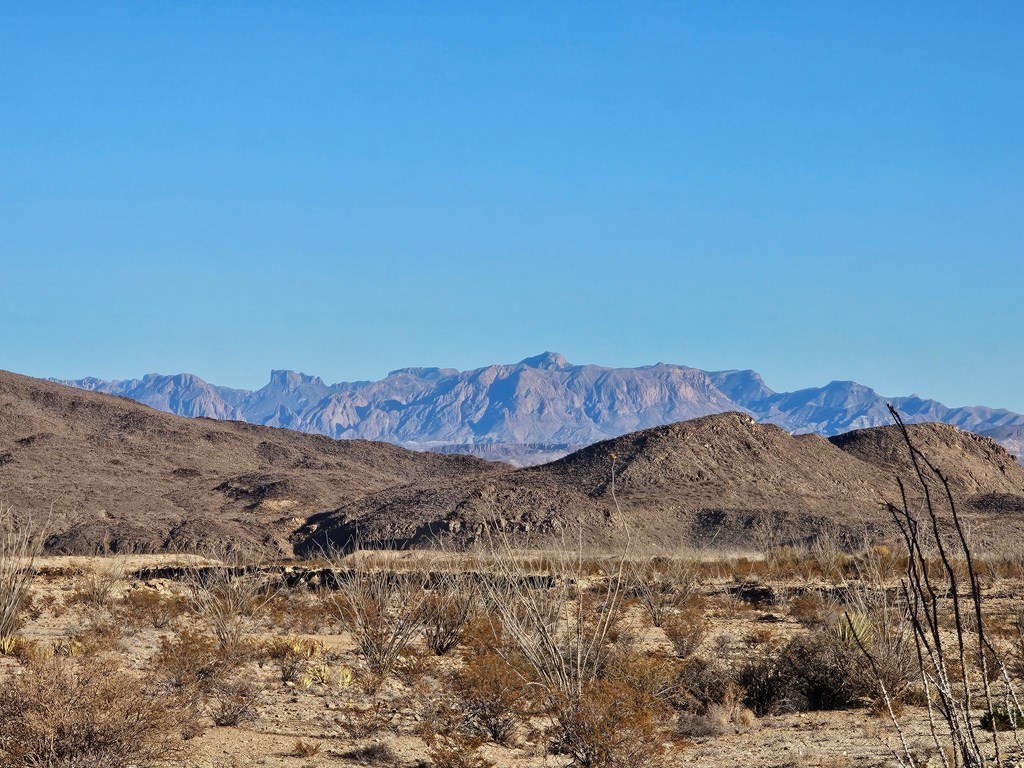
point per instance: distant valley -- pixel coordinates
(541, 408)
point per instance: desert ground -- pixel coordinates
(491, 658)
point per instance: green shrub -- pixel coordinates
(1001, 719)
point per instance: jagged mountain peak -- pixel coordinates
(520, 411)
(546, 360)
(293, 379)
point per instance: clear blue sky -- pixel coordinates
(816, 190)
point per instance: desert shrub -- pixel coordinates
(147, 606)
(456, 750)
(234, 701)
(383, 611)
(651, 674)
(19, 546)
(811, 672)
(448, 610)
(361, 722)
(662, 586)
(564, 629)
(808, 608)
(611, 725)
(685, 630)
(490, 696)
(298, 612)
(231, 597)
(764, 683)
(101, 634)
(191, 661)
(377, 753)
(59, 712)
(729, 714)
(820, 671)
(482, 634)
(758, 636)
(700, 683)
(96, 588)
(307, 748)
(1002, 719)
(566, 623)
(695, 725)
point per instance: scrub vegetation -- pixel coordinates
(910, 649)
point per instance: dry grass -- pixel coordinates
(554, 666)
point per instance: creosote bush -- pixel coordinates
(452, 604)
(234, 701)
(490, 694)
(192, 661)
(88, 712)
(150, 607)
(612, 725)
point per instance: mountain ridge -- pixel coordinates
(121, 476)
(509, 410)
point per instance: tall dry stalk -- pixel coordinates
(20, 544)
(383, 608)
(663, 585)
(231, 595)
(454, 600)
(561, 623)
(958, 666)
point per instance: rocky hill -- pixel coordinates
(122, 476)
(724, 479)
(540, 408)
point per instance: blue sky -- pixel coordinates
(815, 190)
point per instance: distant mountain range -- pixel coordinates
(111, 474)
(541, 408)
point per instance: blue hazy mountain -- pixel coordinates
(540, 408)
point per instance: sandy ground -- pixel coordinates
(289, 713)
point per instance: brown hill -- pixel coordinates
(724, 479)
(982, 474)
(124, 476)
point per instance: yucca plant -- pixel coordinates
(326, 676)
